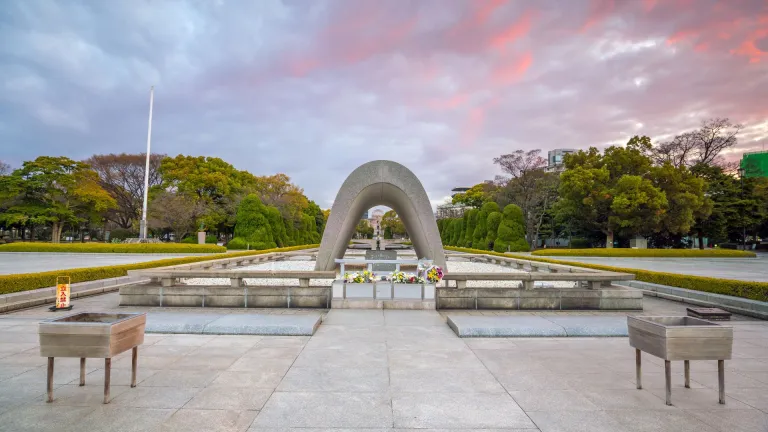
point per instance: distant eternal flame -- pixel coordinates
(386, 183)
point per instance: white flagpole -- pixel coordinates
(143, 225)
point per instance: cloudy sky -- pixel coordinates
(315, 88)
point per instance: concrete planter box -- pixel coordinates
(413, 291)
(89, 334)
(680, 338)
(360, 290)
(99, 335)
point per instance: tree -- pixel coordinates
(479, 240)
(5, 169)
(392, 224)
(364, 229)
(53, 190)
(215, 184)
(470, 226)
(511, 232)
(637, 206)
(122, 176)
(594, 196)
(475, 196)
(457, 232)
(687, 202)
(702, 146)
(252, 224)
(176, 212)
(494, 220)
(529, 186)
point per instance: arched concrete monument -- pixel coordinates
(381, 183)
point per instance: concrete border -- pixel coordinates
(738, 305)
(537, 326)
(27, 299)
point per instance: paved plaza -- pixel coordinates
(751, 269)
(33, 262)
(380, 370)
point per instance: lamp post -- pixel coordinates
(743, 224)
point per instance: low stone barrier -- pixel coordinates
(164, 289)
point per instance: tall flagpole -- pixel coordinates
(143, 225)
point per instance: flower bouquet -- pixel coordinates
(361, 277)
(402, 277)
(434, 274)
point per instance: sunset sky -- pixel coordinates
(315, 88)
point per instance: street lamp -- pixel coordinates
(743, 224)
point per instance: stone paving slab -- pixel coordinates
(233, 324)
(504, 326)
(536, 326)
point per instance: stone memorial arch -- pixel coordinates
(385, 183)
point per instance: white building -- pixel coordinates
(555, 159)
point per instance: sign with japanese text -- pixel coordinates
(62, 292)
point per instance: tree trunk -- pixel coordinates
(55, 232)
(609, 239)
(701, 239)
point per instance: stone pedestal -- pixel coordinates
(201, 237)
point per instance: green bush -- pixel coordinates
(458, 230)
(580, 243)
(29, 281)
(252, 223)
(122, 234)
(494, 220)
(237, 243)
(670, 253)
(737, 288)
(211, 239)
(479, 238)
(111, 247)
(189, 240)
(511, 233)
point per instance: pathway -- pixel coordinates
(380, 370)
(751, 269)
(33, 262)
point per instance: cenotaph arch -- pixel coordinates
(385, 183)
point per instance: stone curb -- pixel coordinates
(741, 306)
(27, 299)
(537, 326)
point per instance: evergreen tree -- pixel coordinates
(511, 232)
(481, 228)
(494, 220)
(252, 224)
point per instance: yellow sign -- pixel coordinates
(62, 292)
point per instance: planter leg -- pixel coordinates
(687, 364)
(50, 379)
(107, 370)
(82, 371)
(638, 368)
(721, 380)
(668, 376)
(134, 361)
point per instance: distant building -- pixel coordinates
(555, 159)
(365, 215)
(754, 164)
(457, 190)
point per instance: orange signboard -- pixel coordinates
(62, 292)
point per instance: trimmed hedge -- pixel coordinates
(112, 247)
(732, 287)
(29, 281)
(667, 253)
